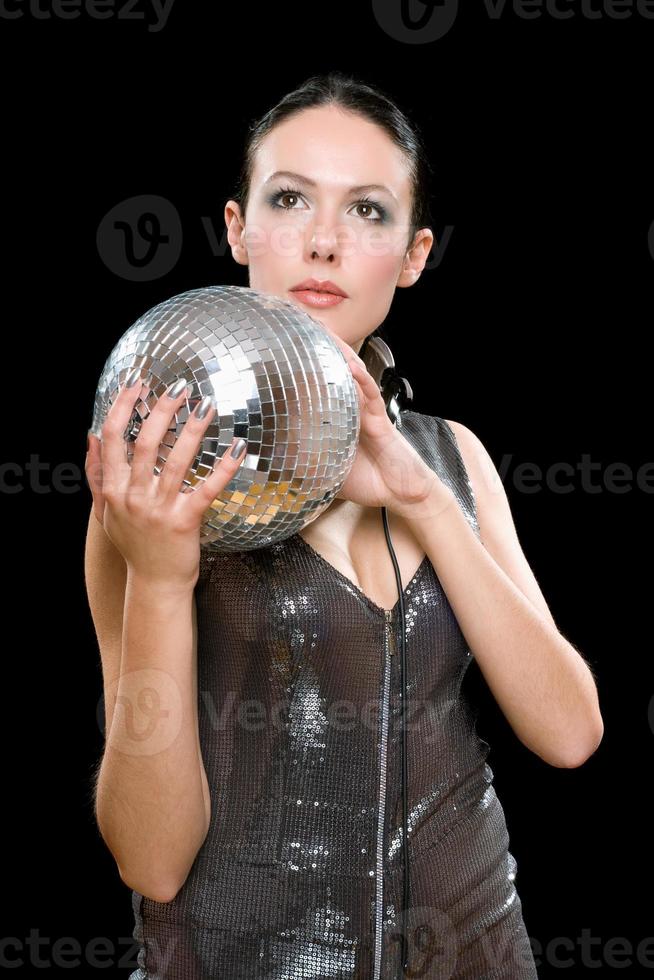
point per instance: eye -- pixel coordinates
(283, 193)
(365, 202)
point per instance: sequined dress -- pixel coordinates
(299, 696)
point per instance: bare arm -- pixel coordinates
(152, 799)
(142, 565)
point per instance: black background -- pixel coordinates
(532, 330)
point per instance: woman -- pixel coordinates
(259, 825)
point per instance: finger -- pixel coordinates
(369, 387)
(185, 450)
(115, 466)
(361, 398)
(213, 485)
(152, 432)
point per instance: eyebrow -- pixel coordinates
(359, 189)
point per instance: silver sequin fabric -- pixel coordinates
(299, 700)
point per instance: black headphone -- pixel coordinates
(380, 363)
(397, 394)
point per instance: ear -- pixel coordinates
(236, 232)
(416, 257)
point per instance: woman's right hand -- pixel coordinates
(151, 522)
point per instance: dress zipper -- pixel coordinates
(389, 647)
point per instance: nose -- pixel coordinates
(322, 240)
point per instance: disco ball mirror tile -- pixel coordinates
(279, 381)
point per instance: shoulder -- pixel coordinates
(487, 486)
(476, 457)
(496, 525)
(480, 469)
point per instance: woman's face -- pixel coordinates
(320, 228)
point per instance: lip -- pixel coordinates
(312, 297)
(318, 286)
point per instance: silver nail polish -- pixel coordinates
(177, 388)
(238, 448)
(204, 406)
(132, 378)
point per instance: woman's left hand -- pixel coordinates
(387, 471)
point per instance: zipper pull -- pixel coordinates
(391, 635)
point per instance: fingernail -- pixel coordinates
(175, 390)
(238, 448)
(204, 406)
(132, 378)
